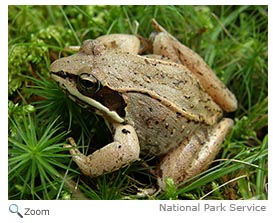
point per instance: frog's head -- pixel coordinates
(83, 82)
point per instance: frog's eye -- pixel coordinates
(88, 83)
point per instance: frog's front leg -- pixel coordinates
(122, 151)
(195, 154)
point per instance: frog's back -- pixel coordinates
(171, 84)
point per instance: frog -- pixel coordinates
(168, 104)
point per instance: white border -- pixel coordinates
(114, 211)
(133, 2)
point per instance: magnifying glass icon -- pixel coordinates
(13, 208)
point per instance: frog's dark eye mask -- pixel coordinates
(87, 89)
(90, 86)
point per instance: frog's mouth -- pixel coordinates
(106, 102)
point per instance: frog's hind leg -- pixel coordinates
(166, 45)
(121, 152)
(194, 154)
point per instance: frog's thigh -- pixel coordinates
(195, 153)
(123, 150)
(165, 44)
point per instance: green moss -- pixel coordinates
(232, 40)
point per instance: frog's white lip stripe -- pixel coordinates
(74, 91)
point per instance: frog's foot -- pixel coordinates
(122, 151)
(194, 154)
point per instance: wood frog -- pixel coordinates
(167, 104)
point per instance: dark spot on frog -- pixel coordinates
(125, 131)
(172, 132)
(207, 108)
(178, 114)
(147, 121)
(121, 158)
